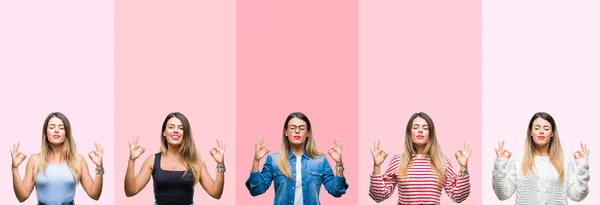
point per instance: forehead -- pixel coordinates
(55, 121)
(297, 122)
(174, 121)
(419, 121)
(541, 122)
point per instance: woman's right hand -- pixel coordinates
(501, 152)
(260, 150)
(378, 154)
(17, 157)
(135, 150)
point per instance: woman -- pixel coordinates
(298, 169)
(541, 175)
(57, 168)
(422, 170)
(177, 168)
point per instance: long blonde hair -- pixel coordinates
(187, 149)
(555, 150)
(68, 152)
(432, 149)
(309, 146)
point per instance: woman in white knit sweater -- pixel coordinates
(542, 174)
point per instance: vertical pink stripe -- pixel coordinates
(174, 56)
(419, 56)
(541, 57)
(296, 56)
(56, 56)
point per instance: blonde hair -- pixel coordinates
(555, 149)
(188, 150)
(309, 146)
(68, 152)
(432, 149)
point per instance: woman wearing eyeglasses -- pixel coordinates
(543, 174)
(298, 170)
(422, 171)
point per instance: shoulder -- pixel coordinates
(150, 160)
(396, 159)
(34, 157)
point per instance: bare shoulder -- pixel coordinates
(33, 159)
(149, 162)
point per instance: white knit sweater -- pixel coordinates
(543, 187)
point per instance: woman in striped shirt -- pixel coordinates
(422, 170)
(543, 174)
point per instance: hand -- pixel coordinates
(96, 155)
(462, 155)
(580, 154)
(335, 151)
(135, 150)
(218, 153)
(501, 152)
(17, 157)
(378, 154)
(260, 150)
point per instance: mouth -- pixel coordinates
(420, 136)
(297, 137)
(541, 137)
(55, 136)
(175, 137)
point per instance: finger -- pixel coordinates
(14, 146)
(224, 146)
(371, 152)
(384, 154)
(496, 152)
(469, 153)
(509, 154)
(378, 144)
(575, 155)
(18, 143)
(501, 145)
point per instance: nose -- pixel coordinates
(421, 130)
(55, 130)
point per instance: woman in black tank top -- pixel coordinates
(177, 168)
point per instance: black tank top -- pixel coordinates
(171, 187)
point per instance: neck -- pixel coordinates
(298, 150)
(173, 151)
(421, 150)
(542, 150)
(56, 151)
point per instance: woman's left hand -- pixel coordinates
(462, 155)
(218, 152)
(335, 151)
(583, 153)
(96, 155)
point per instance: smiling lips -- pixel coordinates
(175, 137)
(420, 136)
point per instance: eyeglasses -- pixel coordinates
(292, 128)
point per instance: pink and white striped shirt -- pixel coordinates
(421, 185)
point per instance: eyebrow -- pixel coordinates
(298, 125)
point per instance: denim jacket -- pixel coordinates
(315, 171)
